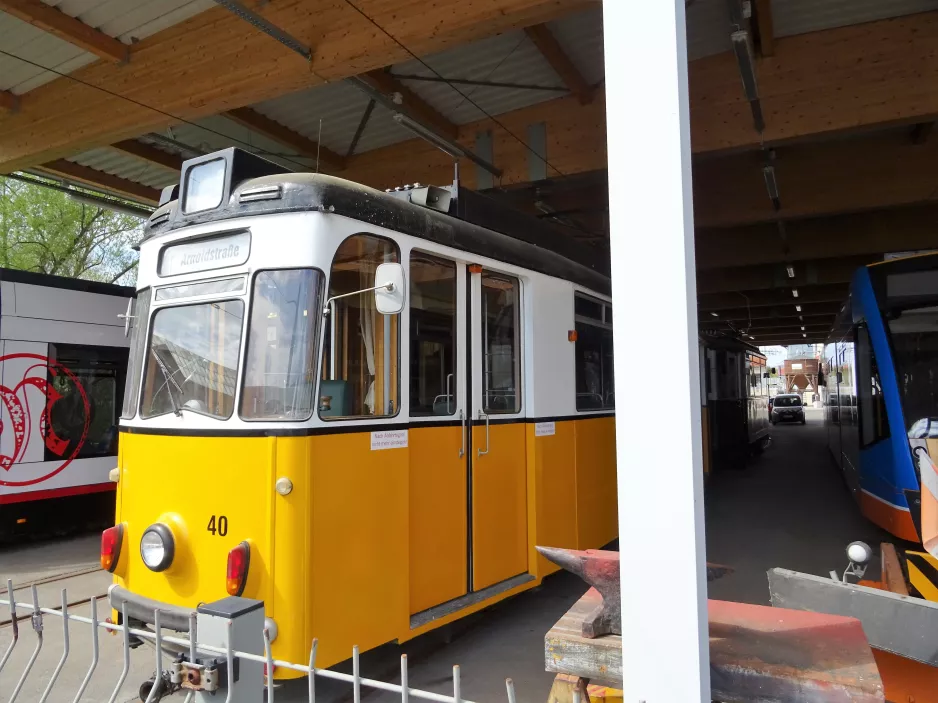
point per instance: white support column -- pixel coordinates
(660, 473)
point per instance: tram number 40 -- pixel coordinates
(218, 525)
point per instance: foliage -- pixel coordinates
(49, 231)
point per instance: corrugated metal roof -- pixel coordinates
(125, 20)
(131, 19)
(22, 39)
(340, 106)
(802, 16)
(581, 36)
(123, 165)
(708, 28)
(506, 58)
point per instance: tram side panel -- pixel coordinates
(63, 361)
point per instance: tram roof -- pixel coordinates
(459, 229)
(34, 278)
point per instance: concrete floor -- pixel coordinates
(788, 508)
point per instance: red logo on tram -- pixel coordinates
(16, 420)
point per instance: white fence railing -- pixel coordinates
(209, 679)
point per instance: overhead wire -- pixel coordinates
(451, 85)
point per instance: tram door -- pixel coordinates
(498, 500)
(439, 431)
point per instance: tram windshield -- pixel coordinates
(914, 335)
(192, 361)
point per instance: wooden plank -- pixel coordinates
(550, 49)
(100, 179)
(411, 103)
(214, 62)
(893, 578)
(8, 101)
(566, 651)
(54, 21)
(272, 129)
(149, 153)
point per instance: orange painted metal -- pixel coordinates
(906, 680)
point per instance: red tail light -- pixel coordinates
(111, 540)
(239, 559)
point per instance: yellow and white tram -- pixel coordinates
(353, 406)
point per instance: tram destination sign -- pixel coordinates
(205, 254)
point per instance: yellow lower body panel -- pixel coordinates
(367, 537)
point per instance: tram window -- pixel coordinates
(192, 362)
(101, 373)
(914, 336)
(139, 313)
(359, 375)
(595, 383)
(873, 426)
(282, 335)
(432, 335)
(501, 343)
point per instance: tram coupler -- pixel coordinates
(204, 674)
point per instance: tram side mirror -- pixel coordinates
(389, 289)
(127, 317)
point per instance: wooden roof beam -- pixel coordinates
(173, 77)
(783, 311)
(764, 27)
(419, 109)
(830, 293)
(550, 49)
(99, 179)
(149, 153)
(800, 102)
(8, 101)
(54, 21)
(841, 176)
(860, 234)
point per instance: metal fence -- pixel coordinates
(156, 636)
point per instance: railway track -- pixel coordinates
(21, 590)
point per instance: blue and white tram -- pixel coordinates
(881, 376)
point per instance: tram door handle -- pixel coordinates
(462, 421)
(487, 440)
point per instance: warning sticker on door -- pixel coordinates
(544, 429)
(389, 439)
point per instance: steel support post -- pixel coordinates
(658, 436)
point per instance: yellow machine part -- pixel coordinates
(923, 574)
(564, 686)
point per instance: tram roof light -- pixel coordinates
(794, 292)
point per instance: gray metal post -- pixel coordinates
(236, 624)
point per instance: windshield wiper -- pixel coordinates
(170, 381)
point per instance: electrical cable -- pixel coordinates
(465, 97)
(286, 157)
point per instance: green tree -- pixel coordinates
(49, 231)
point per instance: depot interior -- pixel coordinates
(811, 128)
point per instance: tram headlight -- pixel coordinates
(157, 547)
